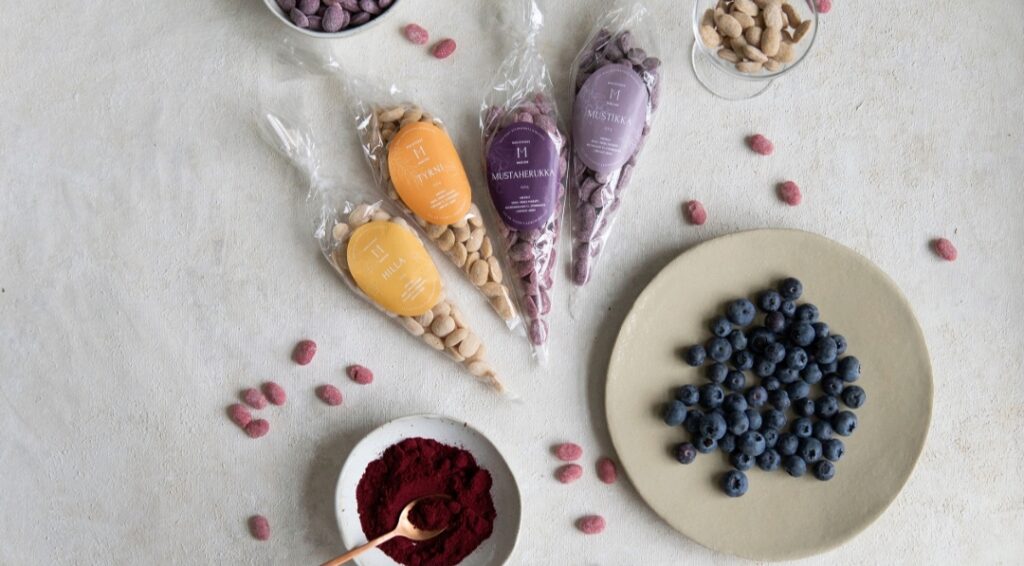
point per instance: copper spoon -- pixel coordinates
(405, 529)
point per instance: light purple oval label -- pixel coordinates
(608, 119)
(522, 173)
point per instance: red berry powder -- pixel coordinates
(418, 467)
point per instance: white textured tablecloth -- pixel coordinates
(155, 259)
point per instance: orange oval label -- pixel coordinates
(390, 265)
(428, 174)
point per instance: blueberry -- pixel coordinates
(751, 443)
(811, 374)
(787, 444)
(764, 367)
(769, 460)
(688, 394)
(771, 383)
(771, 437)
(706, 444)
(775, 322)
(802, 334)
(826, 407)
(802, 427)
(719, 349)
(727, 444)
(796, 358)
(738, 340)
(794, 466)
(712, 425)
(735, 381)
(717, 372)
(810, 450)
(829, 367)
(832, 385)
(736, 422)
(788, 309)
(757, 396)
(832, 449)
(821, 330)
(734, 402)
(849, 369)
(743, 360)
(675, 413)
(695, 355)
(822, 430)
(773, 418)
(786, 375)
(853, 396)
(721, 327)
(769, 301)
(741, 312)
(799, 389)
(791, 288)
(686, 453)
(741, 461)
(844, 423)
(804, 407)
(759, 338)
(711, 395)
(775, 353)
(807, 313)
(779, 399)
(840, 341)
(824, 470)
(692, 422)
(754, 420)
(825, 350)
(734, 483)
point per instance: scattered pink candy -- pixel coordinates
(329, 394)
(444, 48)
(789, 192)
(695, 213)
(824, 6)
(569, 473)
(304, 352)
(567, 452)
(760, 144)
(591, 524)
(945, 249)
(239, 415)
(257, 428)
(416, 34)
(259, 526)
(254, 398)
(360, 374)
(606, 470)
(275, 393)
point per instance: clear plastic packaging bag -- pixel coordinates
(416, 166)
(380, 256)
(525, 163)
(616, 83)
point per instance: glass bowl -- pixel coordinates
(721, 77)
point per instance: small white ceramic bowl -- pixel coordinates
(281, 15)
(496, 549)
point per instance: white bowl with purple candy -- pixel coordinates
(330, 18)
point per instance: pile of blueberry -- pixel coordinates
(775, 419)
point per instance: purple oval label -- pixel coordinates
(522, 173)
(608, 119)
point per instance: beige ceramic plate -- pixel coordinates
(780, 517)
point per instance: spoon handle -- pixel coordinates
(357, 551)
